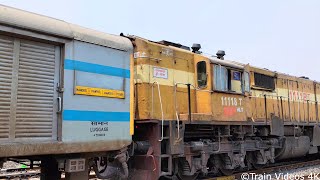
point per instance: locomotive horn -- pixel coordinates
(220, 54)
(196, 47)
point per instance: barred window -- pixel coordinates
(264, 81)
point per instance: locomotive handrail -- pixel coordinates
(176, 109)
(160, 99)
(312, 101)
(298, 100)
(175, 101)
(261, 95)
(277, 96)
(199, 89)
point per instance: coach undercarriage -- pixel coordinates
(201, 149)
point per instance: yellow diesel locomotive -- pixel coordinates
(197, 114)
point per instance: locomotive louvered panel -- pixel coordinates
(6, 62)
(35, 97)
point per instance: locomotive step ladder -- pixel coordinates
(165, 158)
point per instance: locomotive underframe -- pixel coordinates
(216, 147)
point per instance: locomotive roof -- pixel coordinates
(43, 24)
(231, 63)
(226, 62)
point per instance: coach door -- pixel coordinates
(29, 74)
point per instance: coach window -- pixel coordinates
(220, 78)
(202, 74)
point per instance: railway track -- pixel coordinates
(26, 173)
(20, 173)
(265, 172)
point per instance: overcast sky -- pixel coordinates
(279, 35)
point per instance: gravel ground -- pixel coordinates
(10, 165)
(305, 173)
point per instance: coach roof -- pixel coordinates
(43, 24)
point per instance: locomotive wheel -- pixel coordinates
(178, 175)
(224, 171)
(252, 162)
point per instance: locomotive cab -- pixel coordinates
(222, 89)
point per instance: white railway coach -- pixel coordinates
(64, 94)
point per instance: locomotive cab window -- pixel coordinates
(235, 82)
(202, 74)
(220, 78)
(227, 79)
(264, 81)
(246, 82)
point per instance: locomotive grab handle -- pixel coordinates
(59, 105)
(160, 99)
(176, 108)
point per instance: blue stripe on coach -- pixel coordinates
(97, 116)
(95, 68)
